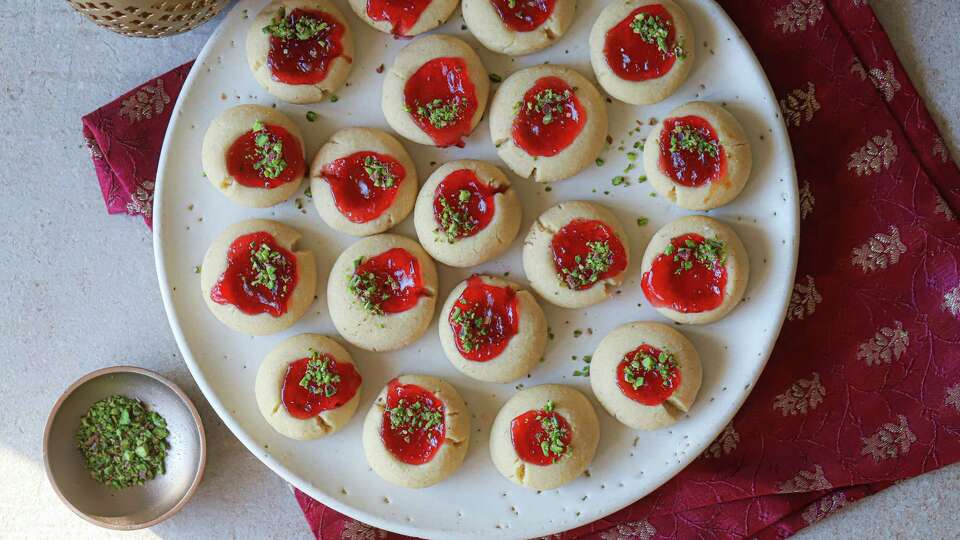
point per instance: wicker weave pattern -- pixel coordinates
(149, 18)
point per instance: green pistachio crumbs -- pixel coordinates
(710, 252)
(409, 418)
(589, 268)
(455, 218)
(472, 327)
(440, 113)
(552, 444)
(654, 30)
(318, 377)
(687, 138)
(378, 172)
(640, 364)
(270, 151)
(266, 262)
(367, 289)
(123, 444)
(305, 28)
(550, 104)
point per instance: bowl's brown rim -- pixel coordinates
(197, 421)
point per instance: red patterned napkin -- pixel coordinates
(863, 388)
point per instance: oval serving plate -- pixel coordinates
(476, 500)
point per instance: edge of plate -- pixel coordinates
(277, 467)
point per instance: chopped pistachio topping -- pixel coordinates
(455, 218)
(318, 377)
(472, 327)
(655, 30)
(408, 418)
(368, 290)
(690, 139)
(640, 364)
(270, 151)
(305, 28)
(512, 4)
(550, 104)
(379, 172)
(123, 444)
(440, 113)
(589, 268)
(311, 116)
(265, 261)
(709, 253)
(552, 443)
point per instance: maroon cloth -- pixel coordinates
(863, 387)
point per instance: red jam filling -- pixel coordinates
(364, 184)
(463, 204)
(648, 375)
(541, 437)
(685, 281)
(523, 15)
(640, 56)
(390, 282)
(484, 319)
(549, 118)
(401, 14)
(586, 251)
(690, 151)
(413, 423)
(253, 160)
(316, 384)
(310, 41)
(260, 276)
(441, 100)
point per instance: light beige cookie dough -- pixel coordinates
(350, 141)
(539, 265)
(522, 353)
(627, 338)
(435, 14)
(491, 241)
(574, 408)
(408, 61)
(269, 388)
(734, 145)
(215, 262)
(221, 134)
(737, 265)
(649, 91)
(449, 457)
(258, 47)
(572, 159)
(485, 23)
(387, 331)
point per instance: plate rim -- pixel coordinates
(780, 132)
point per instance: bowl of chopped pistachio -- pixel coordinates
(124, 448)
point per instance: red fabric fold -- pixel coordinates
(863, 387)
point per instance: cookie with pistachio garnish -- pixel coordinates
(544, 437)
(695, 270)
(256, 279)
(253, 155)
(467, 213)
(576, 254)
(308, 387)
(382, 292)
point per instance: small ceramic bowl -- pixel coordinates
(135, 507)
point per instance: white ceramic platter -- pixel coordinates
(477, 501)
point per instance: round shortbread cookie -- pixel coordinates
(234, 124)
(524, 28)
(571, 460)
(362, 185)
(642, 398)
(215, 263)
(276, 369)
(736, 158)
(649, 88)
(433, 15)
(452, 449)
(734, 260)
(537, 152)
(448, 233)
(337, 70)
(523, 349)
(540, 258)
(403, 117)
(357, 306)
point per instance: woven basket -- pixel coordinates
(149, 18)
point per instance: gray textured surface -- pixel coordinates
(81, 292)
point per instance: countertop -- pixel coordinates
(81, 291)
